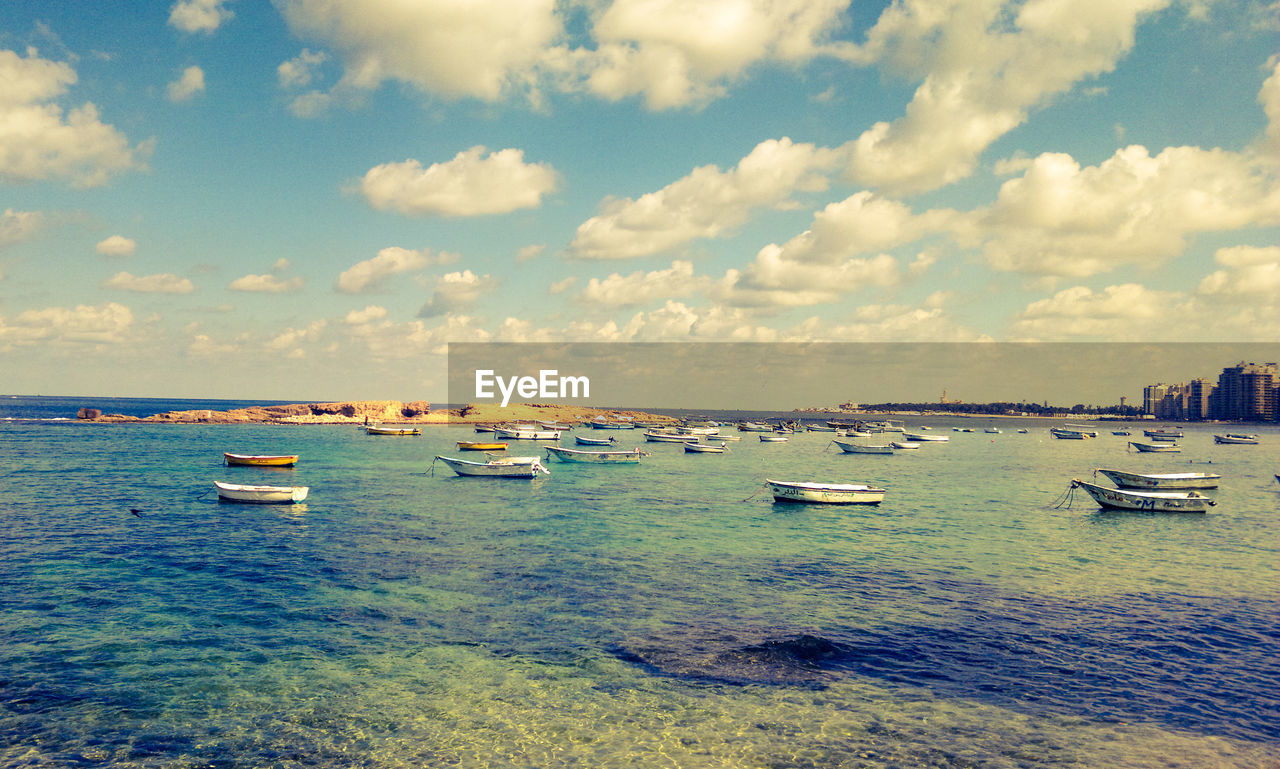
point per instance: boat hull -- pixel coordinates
(703, 448)
(1146, 501)
(825, 493)
(595, 457)
(261, 495)
(860, 448)
(374, 430)
(581, 441)
(921, 438)
(1155, 448)
(260, 460)
(526, 435)
(481, 446)
(514, 467)
(1245, 440)
(1162, 480)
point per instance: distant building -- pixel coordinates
(1248, 392)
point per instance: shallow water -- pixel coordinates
(667, 614)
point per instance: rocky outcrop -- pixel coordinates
(296, 413)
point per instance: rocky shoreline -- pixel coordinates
(371, 412)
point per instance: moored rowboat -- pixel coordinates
(863, 448)
(584, 441)
(825, 493)
(1162, 480)
(263, 495)
(481, 446)
(260, 460)
(922, 438)
(1151, 501)
(598, 457)
(499, 467)
(380, 430)
(704, 448)
(1236, 438)
(773, 438)
(1167, 448)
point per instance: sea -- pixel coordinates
(666, 614)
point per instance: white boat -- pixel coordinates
(497, 467)
(992, 430)
(1121, 432)
(526, 433)
(661, 437)
(1068, 434)
(1164, 438)
(1022, 430)
(1165, 448)
(706, 430)
(1128, 480)
(864, 448)
(599, 457)
(1235, 438)
(611, 424)
(922, 438)
(775, 438)
(584, 441)
(904, 445)
(263, 495)
(1152, 501)
(826, 493)
(559, 427)
(704, 448)
(820, 428)
(754, 427)
(1162, 431)
(383, 430)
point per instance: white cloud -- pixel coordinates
(983, 66)
(471, 184)
(37, 141)
(774, 281)
(291, 338)
(17, 226)
(1128, 311)
(456, 291)
(371, 274)
(1065, 220)
(116, 245)
(299, 71)
(1253, 271)
(530, 252)
(199, 15)
(164, 283)
(103, 324)
(1269, 98)
(707, 203)
(861, 223)
(643, 287)
(190, 83)
(265, 284)
(366, 316)
(561, 286)
(886, 323)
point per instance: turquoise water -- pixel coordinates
(666, 614)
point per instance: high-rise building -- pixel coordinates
(1246, 391)
(1152, 395)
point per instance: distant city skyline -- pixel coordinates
(312, 199)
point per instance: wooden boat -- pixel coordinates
(773, 438)
(381, 430)
(1162, 431)
(1068, 434)
(526, 433)
(992, 430)
(754, 427)
(497, 467)
(864, 448)
(1086, 429)
(661, 437)
(922, 438)
(692, 447)
(1152, 501)
(1164, 438)
(1121, 432)
(598, 457)
(609, 424)
(904, 445)
(704, 430)
(485, 428)
(1167, 448)
(825, 493)
(820, 428)
(481, 446)
(1022, 430)
(1236, 438)
(557, 426)
(1128, 480)
(584, 441)
(261, 495)
(260, 460)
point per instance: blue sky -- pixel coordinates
(310, 199)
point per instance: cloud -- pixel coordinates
(886, 323)
(165, 283)
(530, 252)
(982, 67)
(17, 226)
(299, 71)
(265, 284)
(293, 337)
(188, 85)
(775, 281)
(102, 324)
(643, 287)
(199, 15)
(561, 286)
(1252, 272)
(862, 223)
(1127, 311)
(1269, 98)
(116, 245)
(371, 274)
(456, 291)
(472, 184)
(1062, 219)
(38, 142)
(707, 203)
(483, 49)
(367, 315)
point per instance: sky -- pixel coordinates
(310, 199)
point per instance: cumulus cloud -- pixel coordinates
(38, 142)
(199, 15)
(1062, 219)
(291, 338)
(862, 223)
(116, 245)
(1128, 311)
(455, 292)
(471, 184)
(299, 71)
(530, 252)
(982, 67)
(643, 287)
(100, 324)
(368, 315)
(265, 284)
(705, 204)
(190, 83)
(164, 283)
(887, 323)
(774, 281)
(1251, 271)
(371, 274)
(17, 226)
